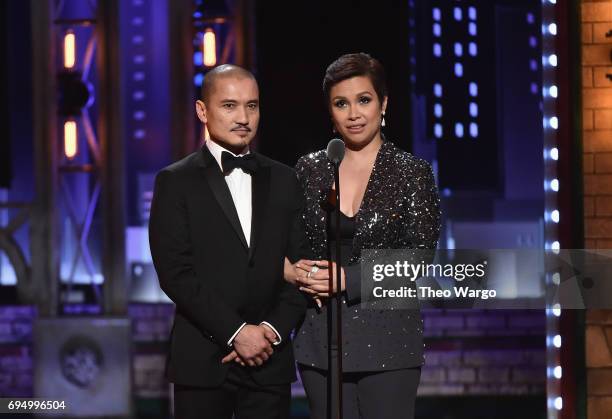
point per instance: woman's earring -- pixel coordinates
(334, 129)
(383, 120)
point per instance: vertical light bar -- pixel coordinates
(70, 139)
(209, 48)
(552, 215)
(473, 86)
(69, 50)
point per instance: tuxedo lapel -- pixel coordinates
(260, 198)
(221, 192)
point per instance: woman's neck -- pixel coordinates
(368, 152)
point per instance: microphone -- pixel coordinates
(335, 150)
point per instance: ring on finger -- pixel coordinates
(308, 274)
(314, 269)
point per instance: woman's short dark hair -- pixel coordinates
(354, 65)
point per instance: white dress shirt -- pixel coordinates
(240, 186)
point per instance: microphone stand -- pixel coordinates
(338, 297)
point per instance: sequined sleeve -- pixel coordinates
(314, 172)
(302, 169)
(423, 209)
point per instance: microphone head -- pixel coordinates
(335, 150)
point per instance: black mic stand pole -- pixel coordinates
(338, 294)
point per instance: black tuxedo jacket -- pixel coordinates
(215, 279)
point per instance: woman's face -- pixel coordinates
(356, 110)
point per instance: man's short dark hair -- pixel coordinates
(221, 71)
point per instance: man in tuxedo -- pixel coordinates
(222, 221)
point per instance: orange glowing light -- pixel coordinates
(69, 50)
(209, 48)
(70, 139)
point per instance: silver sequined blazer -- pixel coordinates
(400, 209)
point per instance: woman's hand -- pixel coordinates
(301, 267)
(313, 277)
(292, 272)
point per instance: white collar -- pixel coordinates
(216, 150)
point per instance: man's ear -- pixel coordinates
(201, 111)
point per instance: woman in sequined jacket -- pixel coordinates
(389, 200)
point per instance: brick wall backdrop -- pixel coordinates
(469, 352)
(151, 326)
(484, 353)
(597, 137)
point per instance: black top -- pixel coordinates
(347, 235)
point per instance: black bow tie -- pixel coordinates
(246, 162)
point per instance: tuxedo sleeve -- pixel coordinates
(291, 305)
(172, 253)
(298, 245)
